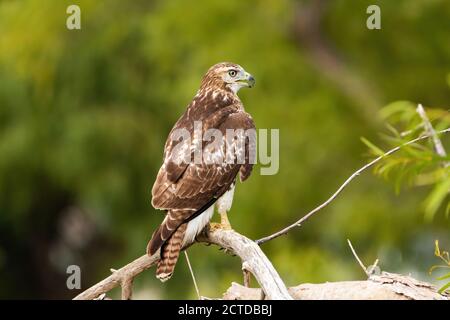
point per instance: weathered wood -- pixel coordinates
(253, 260)
(250, 253)
(129, 271)
(387, 286)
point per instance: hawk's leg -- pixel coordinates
(223, 206)
(224, 222)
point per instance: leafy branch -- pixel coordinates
(444, 256)
(416, 165)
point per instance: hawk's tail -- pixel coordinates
(169, 237)
(170, 224)
(169, 254)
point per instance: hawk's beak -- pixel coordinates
(249, 80)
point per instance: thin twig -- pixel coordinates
(438, 146)
(357, 258)
(127, 288)
(349, 179)
(437, 143)
(408, 132)
(371, 268)
(192, 274)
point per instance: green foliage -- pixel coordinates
(444, 256)
(416, 164)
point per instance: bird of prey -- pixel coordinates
(189, 190)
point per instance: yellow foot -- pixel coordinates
(224, 223)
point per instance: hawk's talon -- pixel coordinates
(224, 223)
(217, 226)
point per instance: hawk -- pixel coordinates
(189, 190)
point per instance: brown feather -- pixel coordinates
(171, 223)
(170, 253)
(155, 242)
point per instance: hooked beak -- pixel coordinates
(248, 80)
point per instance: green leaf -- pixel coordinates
(447, 210)
(372, 147)
(385, 169)
(397, 107)
(445, 287)
(435, 199)
(393, 130)
(436, 267)
(446, 276)
(437, 252)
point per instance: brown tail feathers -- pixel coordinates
(169, 254)
(173, 220)
(169, 237)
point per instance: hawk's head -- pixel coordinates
(227, 76)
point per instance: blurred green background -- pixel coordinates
(84, 115)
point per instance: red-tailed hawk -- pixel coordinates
(189, 190)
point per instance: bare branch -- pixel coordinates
(254, 261)
(371, 269)
(387, 286)
(250, 253)
(357, 258)
(192, 275)
(131, 270)
(438, 146)
(339, 190)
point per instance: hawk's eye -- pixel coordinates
(232, 73)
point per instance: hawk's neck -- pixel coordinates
(209, 101)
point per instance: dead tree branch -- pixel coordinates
(120, 278)
(253, 260)
(387, 286)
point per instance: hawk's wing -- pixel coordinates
(186, 190)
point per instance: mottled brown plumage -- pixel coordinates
(188, 190)
(170, 253)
